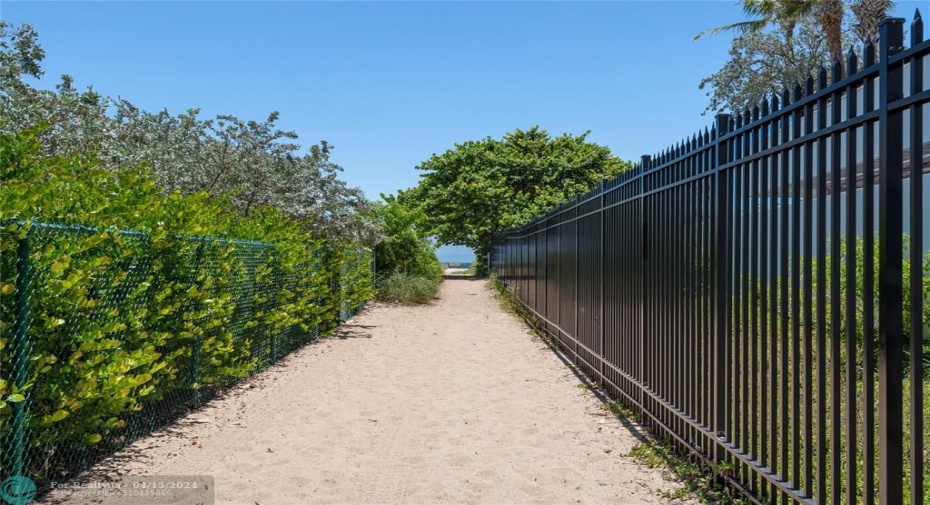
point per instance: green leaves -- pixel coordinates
(760, 62)
(58, 415)
(121, 320)
(130, 305)
(482, 186)
(407, 248)
(222, 163)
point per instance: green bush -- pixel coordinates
(830, 319)
(858, 294)
(127, 328)
(407, 289)
(406, 247)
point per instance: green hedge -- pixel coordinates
(106, 334)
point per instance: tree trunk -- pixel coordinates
(830, 17)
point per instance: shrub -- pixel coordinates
(126, 328)
(406, 247)
(407, 289)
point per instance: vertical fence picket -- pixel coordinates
(916, 273)
(851, 303)
(602, 260)
(721, 299)
(890, 327)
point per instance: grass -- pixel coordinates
(697, 479)
(511, 304)
(407, 289)
(704, 483)
(762, 362)
(767, 350)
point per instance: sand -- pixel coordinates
(455, 402)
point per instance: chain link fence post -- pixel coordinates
(20, 356)
(195, 350)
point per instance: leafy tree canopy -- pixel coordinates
(252, 163)
(482, 186)
(784, 43)
(765, 62)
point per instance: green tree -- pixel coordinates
(481, 186)
(406, 247)
(250, 163)
(829, 14)
(761, 63)
(807, 34)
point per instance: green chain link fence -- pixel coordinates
(106, 335)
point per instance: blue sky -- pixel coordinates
(391, 83)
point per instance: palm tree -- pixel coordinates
(868, 14)
(827, 13)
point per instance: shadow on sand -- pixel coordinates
(353, 331)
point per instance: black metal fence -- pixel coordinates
(753, 291)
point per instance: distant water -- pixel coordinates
(455, 254)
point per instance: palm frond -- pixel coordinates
(761, 8)
(797, 9)
(740, 28)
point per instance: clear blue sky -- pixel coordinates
(391, 83)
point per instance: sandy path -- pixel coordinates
(454, 402)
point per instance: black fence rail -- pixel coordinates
(758, 292)
(106, 335)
